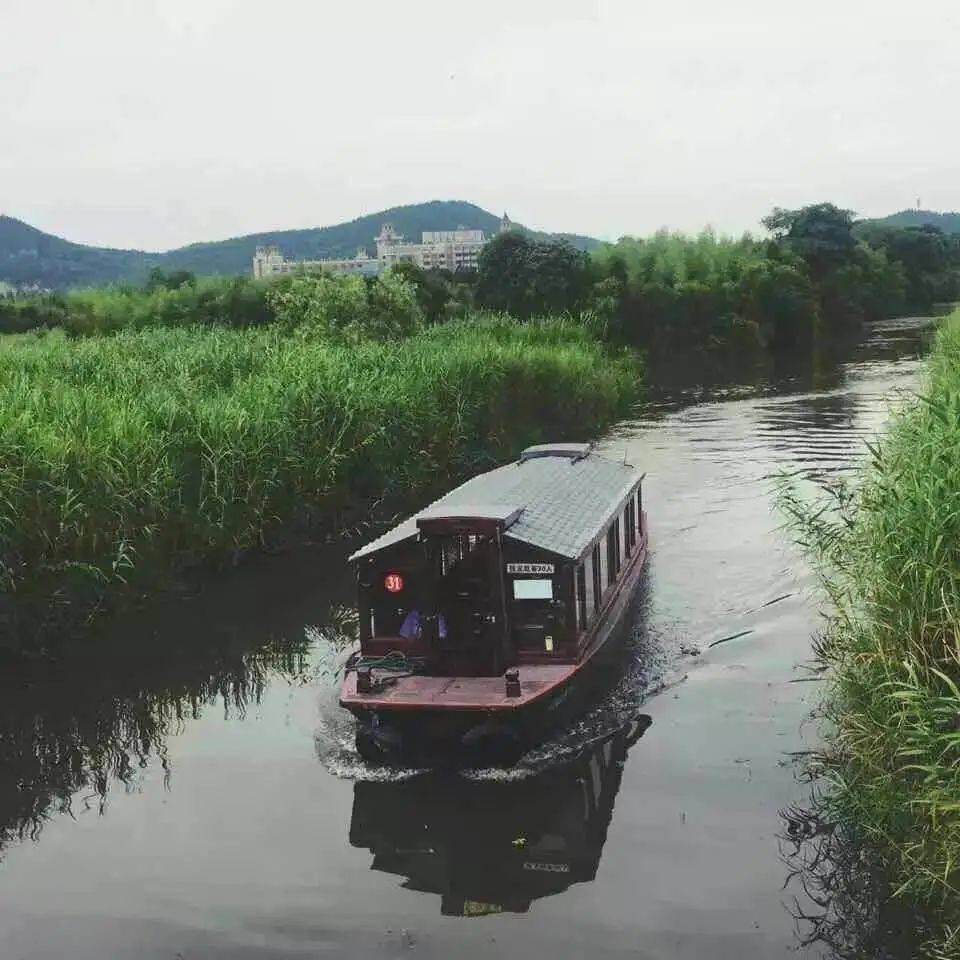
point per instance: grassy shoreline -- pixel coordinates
(123, 458)
(888, 551)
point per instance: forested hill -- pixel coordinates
(948, 222)
(30, 258)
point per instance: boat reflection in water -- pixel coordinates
(488, 846)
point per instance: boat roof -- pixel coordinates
(555, 497)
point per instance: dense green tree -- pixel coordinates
(779, 299)
(442, 295)
(504, 271)
(680, 294)
(158, 279)
(347, 309)
(920, 249)
(528, 277)
(930, 260)
(867, 287)
(822, 234)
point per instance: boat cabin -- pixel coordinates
(516, 566)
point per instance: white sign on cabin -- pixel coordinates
(538, 568)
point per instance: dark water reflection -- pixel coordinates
(527, 838)
(822, 367)
(187, 784)
(840, 895)
(74, 728)
(96, 728)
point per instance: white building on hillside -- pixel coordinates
(451, 250)
(270, 262)
(438, 249)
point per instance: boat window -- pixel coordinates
(581, 588)
(597, 586)
(630, 521)
(613, 551)
(450, 552)
(455, 549)
(533, 589)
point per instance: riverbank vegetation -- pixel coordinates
(123, 457)
(817, 276)
(394, 304)
(888, 550)
(164, 301)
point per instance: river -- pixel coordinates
(186, 787)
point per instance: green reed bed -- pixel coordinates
(125, 457)
(889, 552)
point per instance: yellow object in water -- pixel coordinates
(476, 908)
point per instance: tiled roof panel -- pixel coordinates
(565, 502)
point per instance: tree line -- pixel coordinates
(818, 273)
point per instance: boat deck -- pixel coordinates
(457, 693)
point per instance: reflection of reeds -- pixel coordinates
(102, 721)
(841, 892)
(340, 628)
(838, 901)
(889, 553)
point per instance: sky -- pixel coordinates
(155, 123)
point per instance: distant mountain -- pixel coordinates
(948, 222)
(30, 258)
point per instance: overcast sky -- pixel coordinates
(153, 123)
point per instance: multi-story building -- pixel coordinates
(438, 250)
(270, 262)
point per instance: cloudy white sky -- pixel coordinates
(153, 123)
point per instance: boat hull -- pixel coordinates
(472, 720)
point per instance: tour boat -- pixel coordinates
(478, 614)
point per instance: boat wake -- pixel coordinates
(334, 735)
(648, 663)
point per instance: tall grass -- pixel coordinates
(381, 307)
(232, 301)
(123, 457)
(889, 553)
